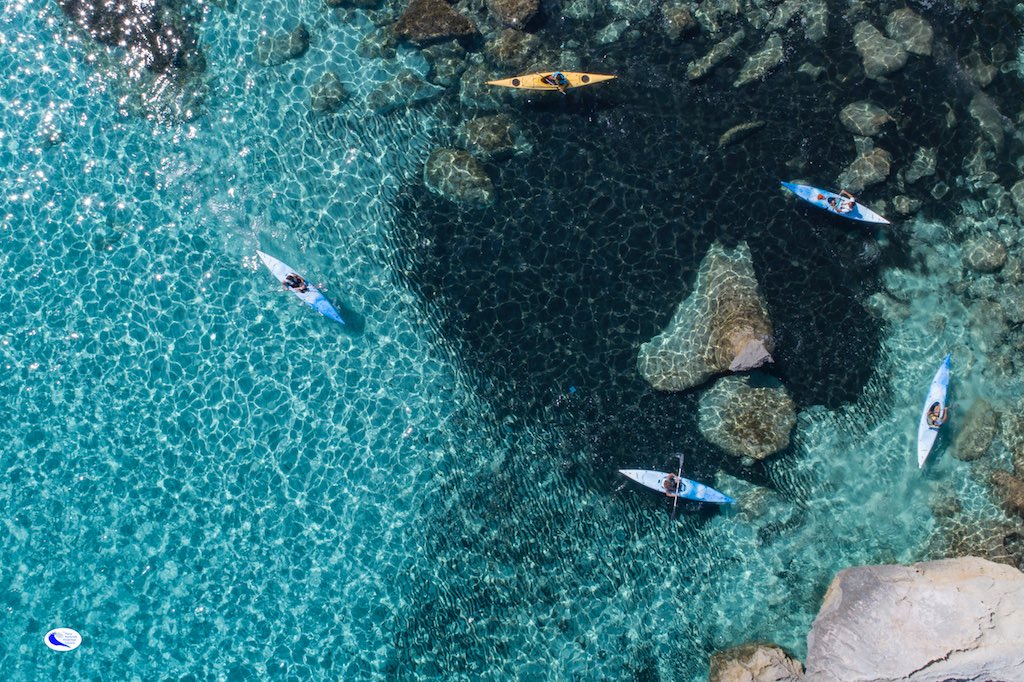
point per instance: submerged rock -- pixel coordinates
(276, 49)
(864, 118)
(404, 90)
(977, 433)
(910, 30)
(677, 20)
(492, 137)
(1010, 489)
(1017, 193)
(424, 21)
(761, 62)
(739, 132)
(870, 168)
(755, 662)
(880, 55)
(955, 619)
(455, 175)
(922, 165)
(513, 48)
(747, 420)
(447, 62)
(380, 43)
(983, 111)
(722, 326)
(327, 94)
(816, 20)
(905, 205)
(514, 13)
(985, 255)
(701, 67)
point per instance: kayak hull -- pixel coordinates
(690, 490)
(819, 197)
(534, 81)
(926, 433)
(313, 297)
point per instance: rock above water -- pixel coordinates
(424, 21)
(955, 619)
(700, 67)
(881, 56)
(327, 94)
(755, 662)
(864, 118)
(457, 176)
(985, 254)
(276, 49)
(492, 137)
(404, 90)
(514, 13)
(978, 430)
(910, 30)
(722, 326)
(870, 168)
(761, 62)
(922, 165)
(747, 420)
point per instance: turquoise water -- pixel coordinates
(204, 478)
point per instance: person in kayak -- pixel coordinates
(557, 79)
(844, 203)
(296, 283)
(671, 485)
(937, 415)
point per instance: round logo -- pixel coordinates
(62, 639)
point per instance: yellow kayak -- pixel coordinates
(534, 81)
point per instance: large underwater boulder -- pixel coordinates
(455, 175)
(719, 52)
(978, 431)
(278, 48)
(880, 55)
(955, 619)
(514, 13)
(747, 417)
(755, 662)
(722, 326)
(328, 94)
(871, 167)
(424, 21)
(864, 118)
(406, 89)
(910, 30)
(493, 137)
(762, 62)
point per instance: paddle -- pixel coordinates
(678, 485)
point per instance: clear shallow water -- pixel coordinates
(205, 478)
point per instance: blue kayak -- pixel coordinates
(820, 198)
(689, 490)
(312, 296)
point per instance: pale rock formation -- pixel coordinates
(910, 30)
(881, 56)
(761, 63)
(871, 167)
(922, 165)
(985, 254)
(722, 326)
(955, 619)
(864, 118)
(722, 50)
(755, 662)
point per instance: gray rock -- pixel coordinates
(761, 62)
(812, 70)
(955, 619)
(867, 169)
(988, 118)
(816, 20)
(985, 254)
(581, 10)
(512, 48)
(677, 20)
(1010, 490)
(784, 14)
(700, 67)
(425, 21)
(905, 205)
(380, 43)
(881, 56)
(633, 9)
(910, 30)
(405, 90)
(922, 165)
(864, 118)
(747, 420)
(492, 137)
(979, 70)
(455, 175)
(977, 432)
(612, 32)
(722, 326)
(739, 132)
(447, 62)
(514, 13)
(327, 94)
(274, 50)
(755, 662)
(1017, 192)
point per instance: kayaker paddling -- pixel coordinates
(296, 283)
(843, 203)
(671, 485)
(937, 415)
(557, 79)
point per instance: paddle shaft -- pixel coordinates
(678, 475)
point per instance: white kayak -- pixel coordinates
(926, 433)
(821, 197)
(689, 490)
(311, 296)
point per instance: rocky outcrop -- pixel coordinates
(755, 662)
(424, 21)
(722, 326)
(514, 13)
(910, 30)
(955, 619)
(749, 417)
(864, 118)
(978, 431)
(406, 89)
(984, 255)
(327, 94)
(761, 63)
(492, 137)
(455, 175)
(700, 67)
(880, 55)
(276, 49)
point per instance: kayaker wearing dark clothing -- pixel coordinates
(296, 283)
(557, 79)
(937, 415)
(671, 485)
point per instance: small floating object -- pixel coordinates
(535, 81)
(820, 198)
(927, 432)
(688, 490)
(311, 296)
(62, 639)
